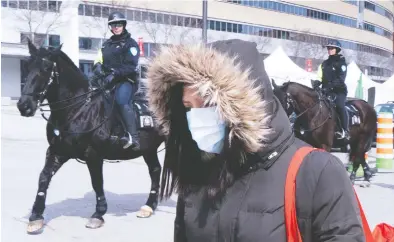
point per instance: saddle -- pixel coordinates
(352, 113)
(144, 120)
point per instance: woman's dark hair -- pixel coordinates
(184, 168)
(174, 144)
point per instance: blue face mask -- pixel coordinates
(207, 129)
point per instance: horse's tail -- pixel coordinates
(368, 124)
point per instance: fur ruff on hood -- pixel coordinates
(221, 81)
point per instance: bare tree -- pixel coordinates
(157, 32)
(161, 29)
(361, 57)
(262, 43)
(37, 23)
(301, 47)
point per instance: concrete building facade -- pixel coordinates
(364, 28)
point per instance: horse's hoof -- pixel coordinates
(373, 170)
(35, 227)
(94, 223)
(365, 184)
(145, 212)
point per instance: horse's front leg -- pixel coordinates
(95, 166)
(52, 165)
(152, 160)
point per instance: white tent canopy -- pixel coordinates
(352, 77)
(385, 91)
(389, 83)
(282, 69)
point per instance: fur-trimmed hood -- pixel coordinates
(229, 74)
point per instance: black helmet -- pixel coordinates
(335, 44)
(117, 17)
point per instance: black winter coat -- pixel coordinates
(253, 208)
(334, 71)
(238, 196)
(121, 53)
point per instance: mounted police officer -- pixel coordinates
(118, 58)
(333, 74)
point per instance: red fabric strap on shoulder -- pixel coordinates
(367, 230)
(292, 231)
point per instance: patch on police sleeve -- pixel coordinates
(133, 51)
(343, 67)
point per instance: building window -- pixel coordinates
(41, 39)
(24, 71)
(54, 40)
(13, 4)
(33, 5)
(143, 71)
(42, 6)
(97, 11)
(374, 7)
(89, 43)
(81, 9)
(311, 13)
(85, 43)
(87, 68)
(23, 5)
(232, 27)
(25, 36)
(89, 10)
(52, 6)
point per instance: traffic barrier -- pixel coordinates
(384, 141)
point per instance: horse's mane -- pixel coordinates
(308, 91)
(298, 84)
(65, 57)
(75, 77)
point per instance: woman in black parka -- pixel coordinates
(229, 144)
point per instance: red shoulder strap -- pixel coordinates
(292, 231)
(367, 230)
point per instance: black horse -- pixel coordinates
(84, 124)
(316, 122)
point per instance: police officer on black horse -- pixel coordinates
(118, 58)
(333, 74)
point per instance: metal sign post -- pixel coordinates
(204, 21)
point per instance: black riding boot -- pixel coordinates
(128, 116)
(340, 103)
(345, 123)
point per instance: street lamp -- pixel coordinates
(204, 21)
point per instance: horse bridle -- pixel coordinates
(290, 102)
(54, 76)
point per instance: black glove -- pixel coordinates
(109, 80)
(316, 84)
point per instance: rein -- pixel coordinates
(54, 78)
(42, 95)
(321, 99)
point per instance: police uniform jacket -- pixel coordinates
(120, 53)
(334, 73)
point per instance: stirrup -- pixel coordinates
(129, 143)
(340, 135)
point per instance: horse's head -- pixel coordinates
(41, 68)
(284, 97)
